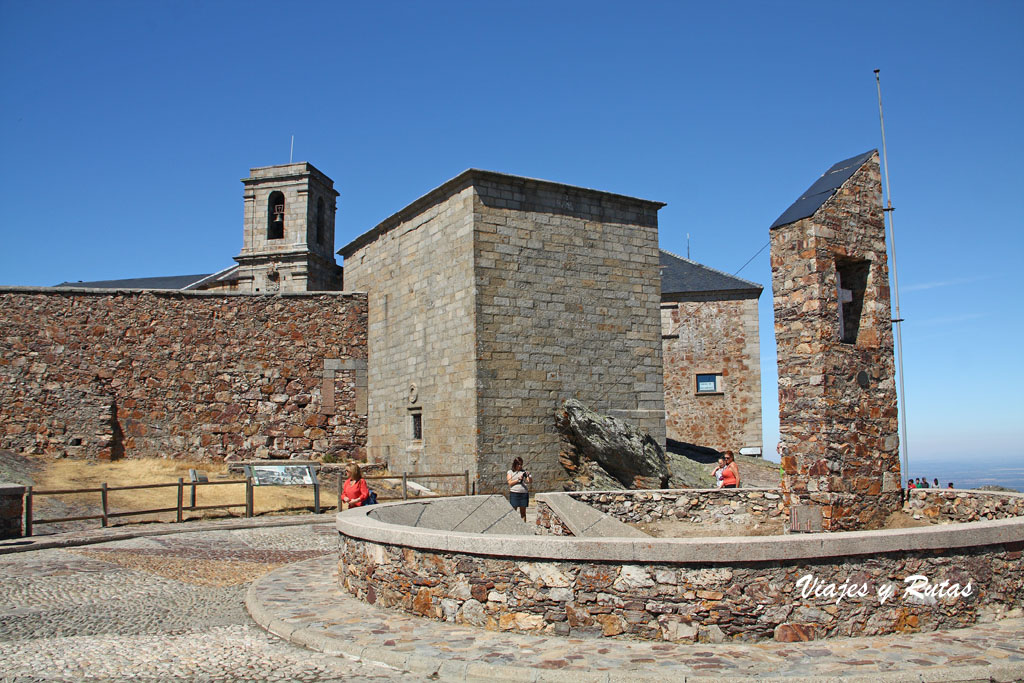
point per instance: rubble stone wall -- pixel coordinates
(950, 505)
(750, 505)
(568, 293)
(101, 373)
(712, 337)
(746, 601)
(837, 400)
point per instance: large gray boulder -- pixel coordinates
(602, 450)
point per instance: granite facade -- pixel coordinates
(493, 299)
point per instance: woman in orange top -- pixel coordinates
(355, 491)
(731, 473)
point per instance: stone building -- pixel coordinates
(491, 299)
(712, 358)
(833, 330)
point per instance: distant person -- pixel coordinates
(935, 482)
(518, 483)
(731, 473)
(911, 484)
(355, 491)
(922, 483)
(950, 485)
(718, 471)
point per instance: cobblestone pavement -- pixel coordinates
(163, 605)
(158, 608)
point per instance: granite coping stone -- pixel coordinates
(585, 520)
(357, 524)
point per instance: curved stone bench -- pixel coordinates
(748, 588)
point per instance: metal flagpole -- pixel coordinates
(888, 209)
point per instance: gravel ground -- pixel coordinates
(162, 608)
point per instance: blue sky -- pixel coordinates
(125, 127)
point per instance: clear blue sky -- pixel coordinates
(127, 125)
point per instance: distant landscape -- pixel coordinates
(973, 471)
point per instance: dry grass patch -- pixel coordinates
(58, 474)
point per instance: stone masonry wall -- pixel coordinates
(754, 506)
(419, 276)
(837, 401)
(98, 373)
(681, 602)
(712, 337)
(568, 291)
(744, 506)
(941, 506)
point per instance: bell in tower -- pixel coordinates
(288, 236)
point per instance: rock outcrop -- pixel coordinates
(603, 452)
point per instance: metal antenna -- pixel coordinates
(687, 245)
(898, 320)
(292, 150)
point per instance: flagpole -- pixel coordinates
(897, 319)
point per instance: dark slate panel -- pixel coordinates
(823, 188)
(166, 282)
(681, 276)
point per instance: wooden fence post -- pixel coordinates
(339, 491)
(467, 481)
(248, 496)
(28, 510)
(405, 491)
(181, 498)
(103, 504)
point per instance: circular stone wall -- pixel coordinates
(470, 560)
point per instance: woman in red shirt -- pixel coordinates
(731, 473)
(355, 492)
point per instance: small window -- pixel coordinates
(275, 216)
(851, 283)
(417, 425)
(709, 384)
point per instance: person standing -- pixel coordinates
(718, 472)
(355, 491)
(731, 473)
(518, 487)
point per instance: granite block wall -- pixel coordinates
(712, 337)
(568, 294)
(104, 373)
(419, 275)
(837, 399)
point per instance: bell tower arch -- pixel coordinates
(288, 234)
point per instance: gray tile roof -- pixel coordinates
(166, 282)
(823, 188)
(683, 276)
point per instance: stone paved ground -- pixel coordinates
(169, 606)
(158, 608)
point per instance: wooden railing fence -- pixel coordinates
(105, 514)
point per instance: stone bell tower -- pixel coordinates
(833, 331)
(288, 243)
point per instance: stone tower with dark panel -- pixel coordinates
(288, 243)
(833, 330)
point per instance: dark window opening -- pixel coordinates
(320, 221)
(709, 384)
(851, 283)
(417, 426)
(275, 216)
